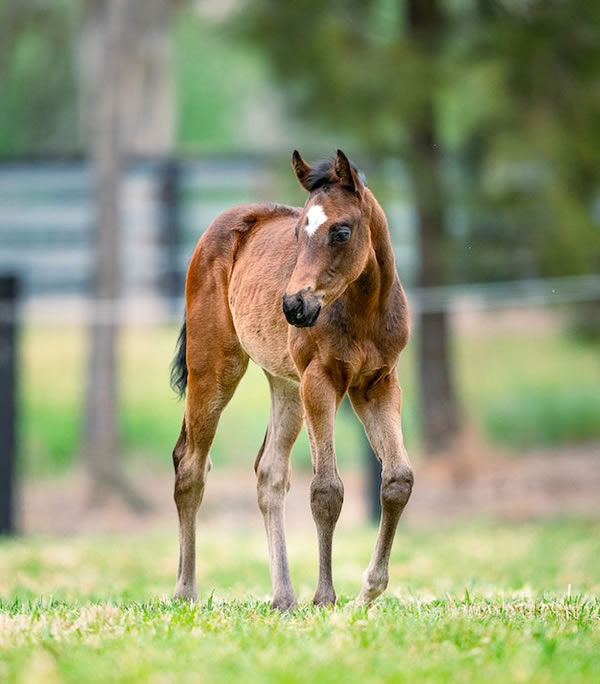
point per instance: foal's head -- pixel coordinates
(333, 237)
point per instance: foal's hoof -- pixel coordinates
(366, 597)
(185, 592)
(325, 598)
(373, 586)
(369, 594)
(284, 603)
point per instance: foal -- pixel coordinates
(330, 267)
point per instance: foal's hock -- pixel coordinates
(312, 296)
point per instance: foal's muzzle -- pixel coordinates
(302, 309)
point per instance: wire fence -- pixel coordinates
(164, 310)
(47, 224)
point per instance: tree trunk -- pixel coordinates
(441, 416)
(145, 89)
(127, 109)
(101, 434)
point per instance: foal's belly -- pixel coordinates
(261, 272)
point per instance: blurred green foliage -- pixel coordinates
(520, 390)
(515, 88)
(38, 77)
(515, 93)
(216, 78)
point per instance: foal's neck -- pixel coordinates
(372, 289)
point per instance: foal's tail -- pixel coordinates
(179, 371)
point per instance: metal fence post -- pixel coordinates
(170, 232)
(8, 400)
(373, 487)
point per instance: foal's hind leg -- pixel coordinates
(380, 415)
(273, 481)
(213, 376)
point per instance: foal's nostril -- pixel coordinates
(288, 304)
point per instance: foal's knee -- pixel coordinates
(190, 477)
(271, 487)
(326, 498)
(180, 448)
(396, 487)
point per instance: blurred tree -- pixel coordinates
(101, 431)
(440, 413)
(528, 154)
(145, 87)
(493, 104)
(126, 70)
(371, 72)
(38, 110)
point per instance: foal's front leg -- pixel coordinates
(320, 401)
(380, 415)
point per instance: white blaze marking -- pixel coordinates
(315, 217)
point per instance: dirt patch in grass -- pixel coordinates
(539, 484)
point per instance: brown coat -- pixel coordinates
(312, 296)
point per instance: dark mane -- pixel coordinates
(260, 212)
(323, 174)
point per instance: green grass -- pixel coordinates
(466, 603)
(53, 403)
(521, 391)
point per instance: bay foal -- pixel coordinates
(312, 296)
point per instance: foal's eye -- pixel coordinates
(341, 234)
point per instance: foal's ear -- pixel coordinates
(348, 177)
(301, 168)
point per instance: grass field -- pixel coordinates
(481, 602)
(519, 389)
